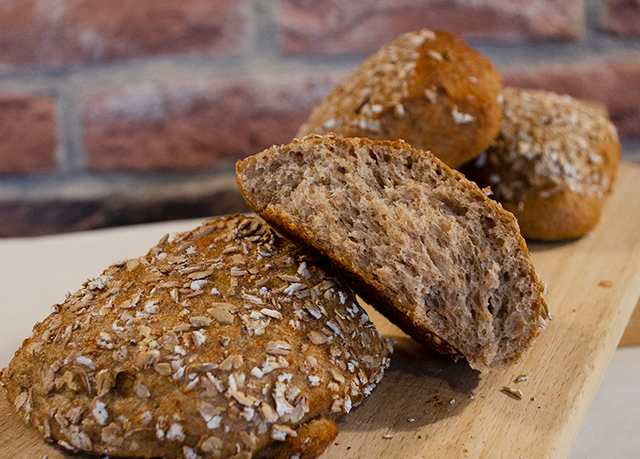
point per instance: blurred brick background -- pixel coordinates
(124, 112)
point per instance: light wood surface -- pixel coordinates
(429, 407)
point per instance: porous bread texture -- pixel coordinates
(552, 164)
(428, 88)
(422, 244)
(219, 341)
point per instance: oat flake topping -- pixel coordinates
(217, 342)
(547, 144)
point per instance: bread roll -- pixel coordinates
(552, 164)
(218, 342)
(427, 88)
(422, 244)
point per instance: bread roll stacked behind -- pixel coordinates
(427, 88)
(422, 243)
(218, 342)
(552, 164)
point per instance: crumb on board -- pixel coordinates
(521, 378)
(515, 393)
(605, 283)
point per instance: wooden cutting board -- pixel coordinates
(631, 336)
(429, 407)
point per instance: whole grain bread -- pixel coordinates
(218, 342)
(428, 88)
(552, 164)
(421, 243)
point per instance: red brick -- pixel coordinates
(615, 84)
(332, 26)
(28, 134)
(71, 31)
(622, 17)
(159, 127)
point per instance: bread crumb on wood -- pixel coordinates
(515, 393)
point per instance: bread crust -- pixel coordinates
(552, 164)
(311, 440)
(442, 297)
(218, 342)
(428, 88)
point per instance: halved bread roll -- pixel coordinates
(422, 243)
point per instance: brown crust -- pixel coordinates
(428, 88)
(565, 215)
(310, 441)
(552, 164)
(227, 326)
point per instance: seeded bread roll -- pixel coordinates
(427, 88)
(219, 341)
(552, 164)
(422, 244)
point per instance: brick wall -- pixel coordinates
(123, 112)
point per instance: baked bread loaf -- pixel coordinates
(421, 243)
(428, 88)
(552, 164)
(219, 341)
